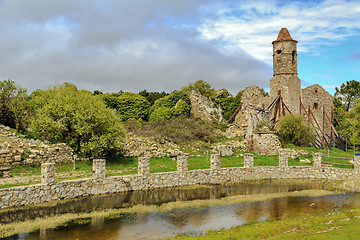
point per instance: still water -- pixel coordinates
(193, 221)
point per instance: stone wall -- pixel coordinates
(319, 101)
(15, 150)
(51, 190)
(136, 146)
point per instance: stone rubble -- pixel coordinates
(16, 150)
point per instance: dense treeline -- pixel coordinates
(93, 123)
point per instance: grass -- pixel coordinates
(336, 225)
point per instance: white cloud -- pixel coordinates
(158, 45)
(253, 25)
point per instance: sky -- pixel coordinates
(163, 45)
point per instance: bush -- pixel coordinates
(181, 130)
(128, 105)
(171, 106)
(294, 130)
(14, 105)
(78, 118)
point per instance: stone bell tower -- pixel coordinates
(285, 81)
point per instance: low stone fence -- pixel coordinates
(52, 190)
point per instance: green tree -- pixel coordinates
(152, 96)
(171, 106)
(351, 124)
(14, 105)
(348, 93)
(202, 87)
(128, 105)
(294, 130)
(229, 104)
(78, 118)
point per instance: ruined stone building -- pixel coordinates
(313, 102)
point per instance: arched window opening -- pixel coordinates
(316, 106)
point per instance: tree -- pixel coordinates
(128, 105)
(348, 93)
(152, 96)
(202, 87)
(171, 106)
(294, 130)
(351, 124)
(14, 105)
(78, 118)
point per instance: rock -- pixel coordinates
(203, 108)
(225, 150)
(305, 161)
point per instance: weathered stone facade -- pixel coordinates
(52, 190)
(285, 81)
(287, 84)
(320, 102)
(264, 142)
(15, 150)
(203, 108)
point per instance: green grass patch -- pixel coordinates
(260, 160)
(324, 225)
(232, 162)
(195, 163)
(162, 165)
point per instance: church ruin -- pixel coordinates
(286, 97)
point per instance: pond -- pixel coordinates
(166, 223)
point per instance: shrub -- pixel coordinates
(171, 106)
(181, 130)
(14, 105)
(128, 105)
(78, 118)
(161, 113)
(294, 130)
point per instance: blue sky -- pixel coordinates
(158, 45)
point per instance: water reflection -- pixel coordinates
(155, 225)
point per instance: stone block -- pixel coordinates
(144, 166)
(248, 160)
(357, 165)
(182, 164)
(215, 162)
(99, 168)
(283, 159)
(48, 174)
(317, 160)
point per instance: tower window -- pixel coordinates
(293, 55)
(316, 106)
(315, 90)
(278, 51)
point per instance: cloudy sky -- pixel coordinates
(158, 45)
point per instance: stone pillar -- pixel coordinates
(317, 160)
(248, 160)
(283, 159)
(99, 168)
(357, 165)
(144, 166)
(215, 162)
(48, 173)
(182, 164)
